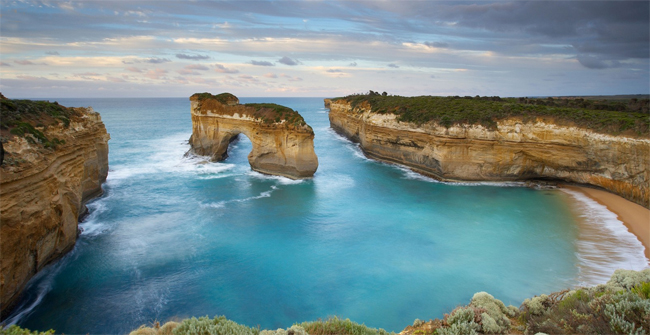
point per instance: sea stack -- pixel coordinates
(283, 144)
(55, 160)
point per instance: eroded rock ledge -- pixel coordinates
(283, 144)
(514, 150)
(47, 175)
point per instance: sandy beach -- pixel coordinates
(635, 217)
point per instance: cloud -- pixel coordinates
(353, 64)
(222, 69)
(594, 62)
(30, 77)
(24, 62)
(4, 64)
(333, 70)
(270, 75)
(288, 61)
(134, 69)
(155, 74)
(186, 72)
(393, 65)
(52, 53)
(86, 74)
(290, 78)
(115, 80)
(436, 44)
(156, 60)
(261, 63)
(192, 57)
(196, 67)
(248, 78)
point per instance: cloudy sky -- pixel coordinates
(323, 48)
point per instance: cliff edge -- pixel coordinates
(510, 148)
(283, 144)
(55, 160)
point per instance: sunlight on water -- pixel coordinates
(177, 236)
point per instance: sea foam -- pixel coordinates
(604, 243)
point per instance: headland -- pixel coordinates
(55, 159)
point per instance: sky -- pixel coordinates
(323, 48)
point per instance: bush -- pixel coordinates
(608, 117)
(621, 306)
(15, 330)
(217, 326)
(336, 326)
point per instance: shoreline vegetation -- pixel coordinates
(615, 115)
(621, 306)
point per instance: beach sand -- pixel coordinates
(635, 217)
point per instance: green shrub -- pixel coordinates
(336, 326)
(217, 326)
(607, 117)
(628, 313)
(15, 330)
(293, 330)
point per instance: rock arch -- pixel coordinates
(283, 144)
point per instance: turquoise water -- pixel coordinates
(175, 236)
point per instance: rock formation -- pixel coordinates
(515, 150)
(283, 144)
(43, 191)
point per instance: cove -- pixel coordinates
(175, 236)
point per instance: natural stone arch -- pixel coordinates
(282, 142)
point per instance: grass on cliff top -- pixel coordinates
(607, 116)
(269, 113)
(22, 117)
(225, 98)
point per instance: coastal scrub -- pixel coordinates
(607, 116)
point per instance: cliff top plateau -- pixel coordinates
(39, 123)
(268, 113)
(630, 117)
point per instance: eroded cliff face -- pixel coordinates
(516, 150)
(43, 194)
(279, 147)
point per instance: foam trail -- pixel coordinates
(166, 155)
(604, 243)
(43, 287)
(282, 180)
(91, 226)
(222, 204)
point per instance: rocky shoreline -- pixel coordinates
(514, 150)
(54, 163)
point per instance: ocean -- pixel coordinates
(176, 236)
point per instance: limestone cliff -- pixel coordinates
(47, 176)
(283, 144)
(513, 150)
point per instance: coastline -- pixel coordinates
(634, 216)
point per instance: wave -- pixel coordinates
(166, 155)
(43, 282)
(280, 179)
(604, 243)
(92, 225)
(410, 174)
(222, 204)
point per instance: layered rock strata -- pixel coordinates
(514, 151)
(43, 194)
(282, 143)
